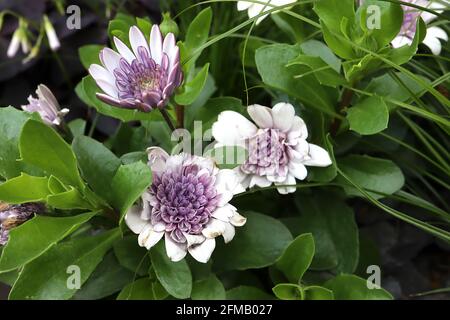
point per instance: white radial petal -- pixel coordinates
(261, 115)
(137, 39)
(175, 251)
(298, 129)
(237, 220)
(319, 157)
(437, 33)
(149, 237)
(243, 5)
(156, 44)
(287, 185)
(157, 158)
(298, 170)
(283, 116)
(228, 180)
(229, 232)
(232, 128)
(124, 51)
(44, 92)
(100, 73)
(110, 59)
(214, 228)
(259, 181)
(108, 88)
(401, 41)
(193, 239)
(134, 221)
(255, 10)
(224, 213)
(203, 252)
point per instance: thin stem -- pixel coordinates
(179, 109)
(167, 119)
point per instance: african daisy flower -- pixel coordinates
(277, 148)
(254, 9)
(143, 77)
(187, 204)
(46, 105)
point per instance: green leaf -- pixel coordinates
(350, 287)
(89, 54)
(331, 12)
(318, 293)
(132, 256)
(42, 147)
(369, 116)
(259, 243)
(247, 293)
(129, 182)
(77, 127)
(31, 239)
(175, 277)
(389, 16)
(108, 278)
(71, 199)
(193, 88)
(271, 62)
(142, 289)
(98, 165)
(24, 188)
(11, 123)
(197, 34)
(374, 174)
(321, 70)
(208, 289)
(145, 25)
(387, 87)
(288, 291)
(46, 278)
(207, 114)
(333, 227)
(403, 54)
(316, 48)
(297, 258)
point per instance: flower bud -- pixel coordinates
(53, 40)
(168, 25)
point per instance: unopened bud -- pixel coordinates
(168, 25)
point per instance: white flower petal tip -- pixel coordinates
(261, 115)
(134, 221)
(202, 252)
(319, 157)
(283, 116)
(237, 220)
(149, 237)
(175, 251)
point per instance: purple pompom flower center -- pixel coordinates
(267, 154)
(184, 201)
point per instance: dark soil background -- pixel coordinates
(411, 261)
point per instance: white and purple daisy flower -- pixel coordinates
(277, 148)
(46, 105)
(187, 204)
(143, 77)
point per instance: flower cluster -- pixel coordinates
(188, 204)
